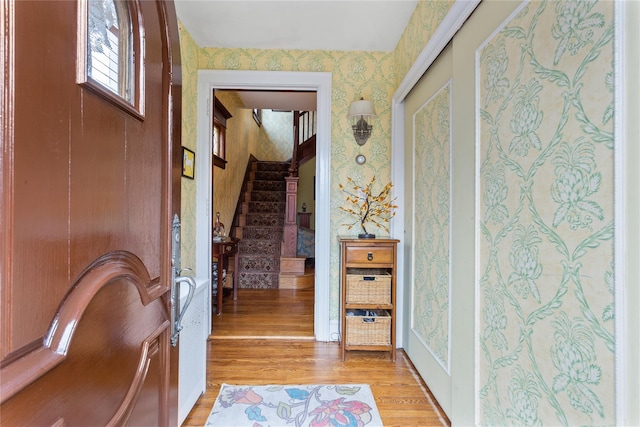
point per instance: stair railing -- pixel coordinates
(304, 130)
(306, 125)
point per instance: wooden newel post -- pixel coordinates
(293, 169)
(290, 224)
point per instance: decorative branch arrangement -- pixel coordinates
(367, 207)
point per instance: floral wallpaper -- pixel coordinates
(189, 52)
(431, 288)
(242, 136)
(423, 23)
(355, 74)
(546, 217)
(277, 136)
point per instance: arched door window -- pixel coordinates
(110, 45)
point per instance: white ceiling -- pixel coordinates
(301, 101)
(346, 25)
(368, 25)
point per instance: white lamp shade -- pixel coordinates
(362, 108)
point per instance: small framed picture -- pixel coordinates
(188, 163)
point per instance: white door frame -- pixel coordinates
(269, 80)
(455, 18)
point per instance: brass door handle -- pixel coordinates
(370, 256)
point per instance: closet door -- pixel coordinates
(441, 195)
(428, 228)
(511, 148)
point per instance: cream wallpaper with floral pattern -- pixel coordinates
(432, 157)
(423, 23)
(546, 217)
(355, 74)
(189, 52)
(242, 136)
(277, 137)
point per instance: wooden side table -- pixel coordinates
(368, 285)
(221, 251)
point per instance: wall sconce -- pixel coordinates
(359, 112)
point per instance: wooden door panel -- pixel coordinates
(119, 343)
(40, 170)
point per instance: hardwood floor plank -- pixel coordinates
(239, 352)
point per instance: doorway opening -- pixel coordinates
(208, 80)
(271, 136)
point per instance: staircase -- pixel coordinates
(260, 225)
(267, 252)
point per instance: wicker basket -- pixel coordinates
(363, 288)
(369, 330)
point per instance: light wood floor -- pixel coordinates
(266, 337)
(266, 314)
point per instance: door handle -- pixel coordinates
(176, 280)
(177, 322)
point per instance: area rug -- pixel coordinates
(295, 405)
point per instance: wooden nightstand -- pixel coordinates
(368, 301)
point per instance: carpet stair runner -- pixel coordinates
(262, 222)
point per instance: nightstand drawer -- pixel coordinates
(226, 247)
(373, 255)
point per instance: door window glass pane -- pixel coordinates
(109, 40)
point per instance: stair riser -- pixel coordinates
(258, 281)
(260, 247)
(268, 175)
(263, 207)
(264, 264)
(271, 166)
(269, 186)
(274, 233)
(288, 281)
(267, 196)
(265, 220)
(266, 207)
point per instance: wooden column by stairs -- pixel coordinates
(290, 263)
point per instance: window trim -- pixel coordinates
(219, 159)
(136, 106)
(220, 117)
(257, 116)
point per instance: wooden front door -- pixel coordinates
(90, 171)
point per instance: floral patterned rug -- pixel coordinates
(295, 405)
